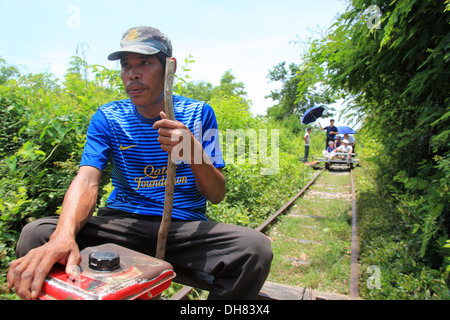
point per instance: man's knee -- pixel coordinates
(263, 247)
(35, 234)
(251, 267)
(258, 246)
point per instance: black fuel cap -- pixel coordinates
(104, 261)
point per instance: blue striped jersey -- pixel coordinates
(118, 132)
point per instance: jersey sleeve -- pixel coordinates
(211, 141)
(97, 149)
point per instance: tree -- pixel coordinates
(290, 103)
(7, 71)
(228, 99)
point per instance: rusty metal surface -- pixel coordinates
(354, 292)
(138, 274)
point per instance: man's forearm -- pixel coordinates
(209, 180)
(79, 202)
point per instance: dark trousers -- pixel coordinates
(238, 258)
(305, 158)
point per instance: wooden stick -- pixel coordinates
(171, 166)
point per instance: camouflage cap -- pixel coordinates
(143, 40)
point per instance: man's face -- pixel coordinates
(143, 79)
(331, 122)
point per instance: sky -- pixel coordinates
(248, 37)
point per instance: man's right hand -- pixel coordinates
(27, 274)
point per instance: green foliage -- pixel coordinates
(386, 242)
(252, 197)
(7, 71)
(290, 104)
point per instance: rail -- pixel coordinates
(354, 292)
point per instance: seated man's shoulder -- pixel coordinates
(117, 105)
(182, 100)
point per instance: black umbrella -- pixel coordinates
(312, 114)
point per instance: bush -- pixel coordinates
(387, 240)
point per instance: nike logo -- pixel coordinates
(126, 148)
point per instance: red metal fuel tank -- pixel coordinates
(110, 272)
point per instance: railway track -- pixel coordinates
(300, 229)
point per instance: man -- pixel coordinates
(345, 150)
(332, 131)
(138, 137)
(345, 147)
(307, 139)
(351, 141)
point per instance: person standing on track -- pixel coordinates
(136, 136)
(332, 131)
(307, 140)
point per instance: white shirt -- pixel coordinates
(347, 149)
(351, 139)
(306, 137)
